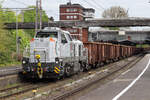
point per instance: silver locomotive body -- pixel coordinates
(54, 54)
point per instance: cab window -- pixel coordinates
(46, 35)
(63, 39)
(69, 37)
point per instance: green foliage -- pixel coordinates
(142, 45)
(8, 37)
(30, 16)
(6, 46)
(113, 28)
(9, 16)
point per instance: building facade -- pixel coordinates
(75, 12)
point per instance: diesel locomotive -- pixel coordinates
(53, 54)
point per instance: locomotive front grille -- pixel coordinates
(41, 44)
(43, 55)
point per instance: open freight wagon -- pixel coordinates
(106, 52)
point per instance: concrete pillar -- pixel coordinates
(84, 34)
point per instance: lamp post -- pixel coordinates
(36, 19)
(40, 14)
(17, 46)
(38, 10)
(18, 39)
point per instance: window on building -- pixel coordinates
(67, 17)
(75, 10)
(71, 17)
(75, 17)
(67, 10)
(75, 31)
(71, 30)
(71, 10)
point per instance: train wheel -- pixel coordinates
(59, 77)
(87, 67)
(81, 68)
(96, 65)
(99, 65)
(68, 71)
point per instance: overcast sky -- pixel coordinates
(137, 8)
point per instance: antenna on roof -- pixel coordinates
(69, 2)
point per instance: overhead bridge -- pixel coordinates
(135, 36)
(85, 24)
(126, 32)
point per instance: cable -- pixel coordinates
(21, 2)
(91, 4)
(98, 4)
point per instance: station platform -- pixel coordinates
(134, 84)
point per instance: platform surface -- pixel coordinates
(134, 84)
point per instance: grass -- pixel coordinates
(11, 85)
(10, 64)
(143, 45)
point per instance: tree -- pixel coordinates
(8, 37)
(115, 12)
(6, 43)
(9, 16)
(30, 15)
(51, 19)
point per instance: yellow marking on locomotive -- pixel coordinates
(38, 56)
(56, 70)
(40, 72)
(39, 64)
(39, 69)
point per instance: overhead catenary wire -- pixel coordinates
(21, 2)
(92, 5)
(98, 4)
(18, 8)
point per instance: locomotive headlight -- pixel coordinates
(56, 60)
(23, 62)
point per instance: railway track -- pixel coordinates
(67, 94)
(9, 71)
(23, 88)
(19, 89)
